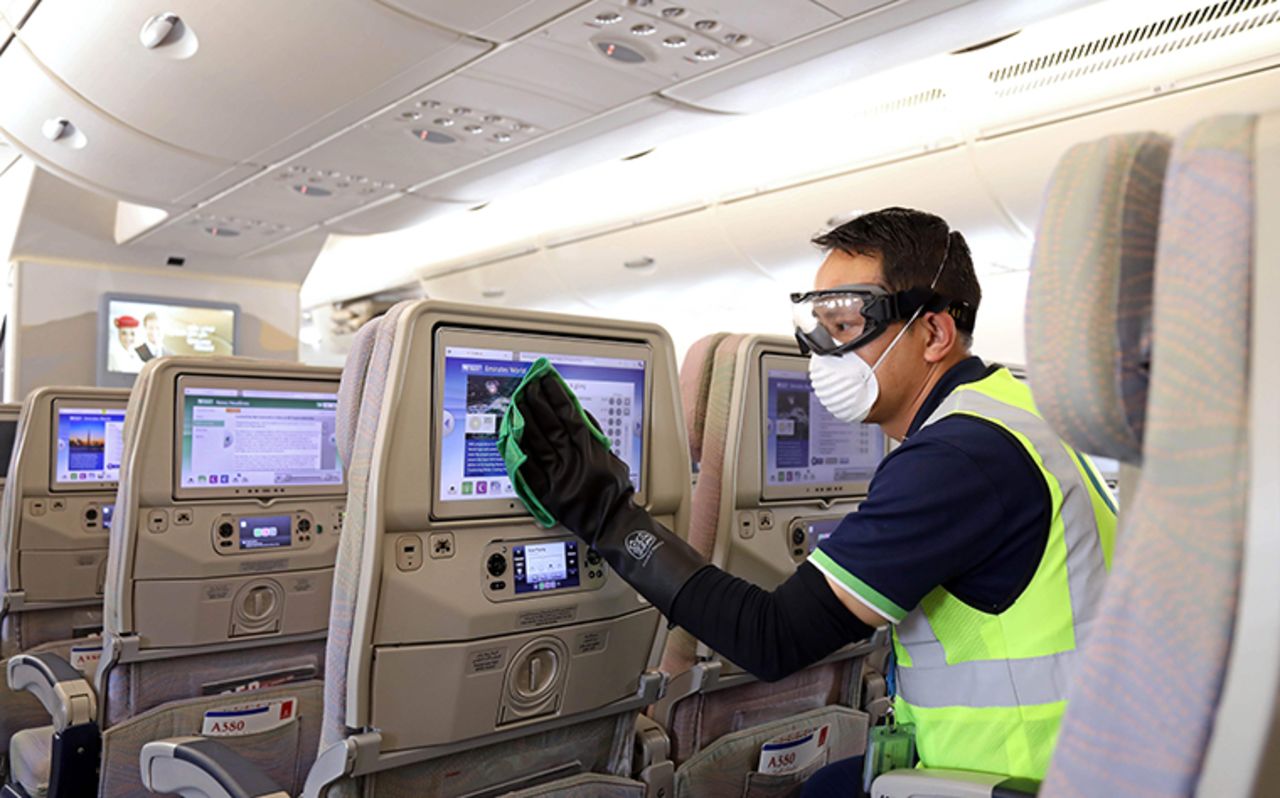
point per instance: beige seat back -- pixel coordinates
(53, 540)
(452, 672)
(229, 511)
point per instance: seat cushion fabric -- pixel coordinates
(30, 752)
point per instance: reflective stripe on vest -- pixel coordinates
(1011, 682)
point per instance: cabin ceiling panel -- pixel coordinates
(526, 281)
(393, 213)
(14, 11)
(456, 122)
(494, 20)
(289, 71)
(76, 140)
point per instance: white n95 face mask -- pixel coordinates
(846, 386)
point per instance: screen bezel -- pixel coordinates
(69, 403)
(841, 490)
(300, 385)
(446, 337)
(114, 379)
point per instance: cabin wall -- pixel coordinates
(53, 316)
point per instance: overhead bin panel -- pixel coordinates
(655, 262)
(393, 213)
(876, 37)
(241, 79)
(636, 127)
(494, 20)
(212, 234)
(80, 143)
(1110, 55)
(605, 54)
(299, 196)
(524, 281)
(773, 230)
(459, 121)
(1018, 165)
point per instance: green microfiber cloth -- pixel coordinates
(512, 430)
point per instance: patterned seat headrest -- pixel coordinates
(1089, 302)
(351, 387)
(695, 387)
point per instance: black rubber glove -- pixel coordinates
(588, 490)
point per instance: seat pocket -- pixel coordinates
(782, 785)
(727, 767)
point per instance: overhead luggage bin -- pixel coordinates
(74, 139)
(229, 60)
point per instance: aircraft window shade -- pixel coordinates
(8, 436)
(239, 437)
(807, 451)
(476, 374)
(86, 447)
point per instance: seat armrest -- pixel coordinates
(925, 783)
(653, 765)
(63, 691)
(198, 767)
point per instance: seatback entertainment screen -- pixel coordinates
(477, 373)
(808, 451)
(252, 436)
(87, 446)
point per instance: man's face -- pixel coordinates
(153, 331)
(905, 369)
(126, 336)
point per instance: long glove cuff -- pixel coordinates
(650, 557)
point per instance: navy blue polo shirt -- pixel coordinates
(959, 504)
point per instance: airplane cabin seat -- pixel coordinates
(441, 679)
(207, 630)
(1172, 599)
(717, 717)
(53, 549)
(1088, 345)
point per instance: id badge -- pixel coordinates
(889, 748)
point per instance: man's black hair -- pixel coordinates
(910, 245)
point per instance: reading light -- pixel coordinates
(493, 293)
(706, 54)
(643, 29)
(706, 25)
(674, 41)
(608, 17)
(640, 264)
(673, 12)
(443, 121)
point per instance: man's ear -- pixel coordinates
(943, 337)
